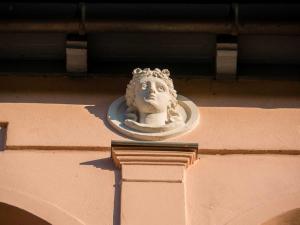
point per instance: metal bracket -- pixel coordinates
(150, 145)
(226, 57)
(82, 7)
(76, 53)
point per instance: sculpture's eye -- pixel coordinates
(161, 88)
(144, 86)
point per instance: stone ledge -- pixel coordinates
(153, 153)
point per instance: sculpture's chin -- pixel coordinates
(150, 106)
(147, 128)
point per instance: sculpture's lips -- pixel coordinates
(151, 97)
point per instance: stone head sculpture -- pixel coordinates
(151, 97)
(151, 108)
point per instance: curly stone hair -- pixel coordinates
(164, 74)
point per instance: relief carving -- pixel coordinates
(151, 108)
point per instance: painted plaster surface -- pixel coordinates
(75, 187)
(242, 189)
(156, 203)
(61, 187)
(152, 195)
(158, 173)
(62, 113)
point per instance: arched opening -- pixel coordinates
(283, 210)
(45, 211)
(291, 217)
(11, 215)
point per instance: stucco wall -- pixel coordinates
(56, 164)
(82, 187)
(242, 189)
(244, 115)
(61, 187)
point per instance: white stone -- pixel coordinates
(151, 108)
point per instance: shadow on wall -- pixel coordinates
(107, 164)
(97, 103)
(98, 112)
(102, 92)
(291, 217)
(11, 215)
(101, 114)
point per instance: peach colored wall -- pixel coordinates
(242, 189)
(249, 115)
(61, 187)
(81, 186)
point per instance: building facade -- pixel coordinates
(62, 65)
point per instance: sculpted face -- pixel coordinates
(151, 109)
(152, 95)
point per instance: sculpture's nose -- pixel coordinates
(152, 88)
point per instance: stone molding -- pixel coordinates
(149, 153)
